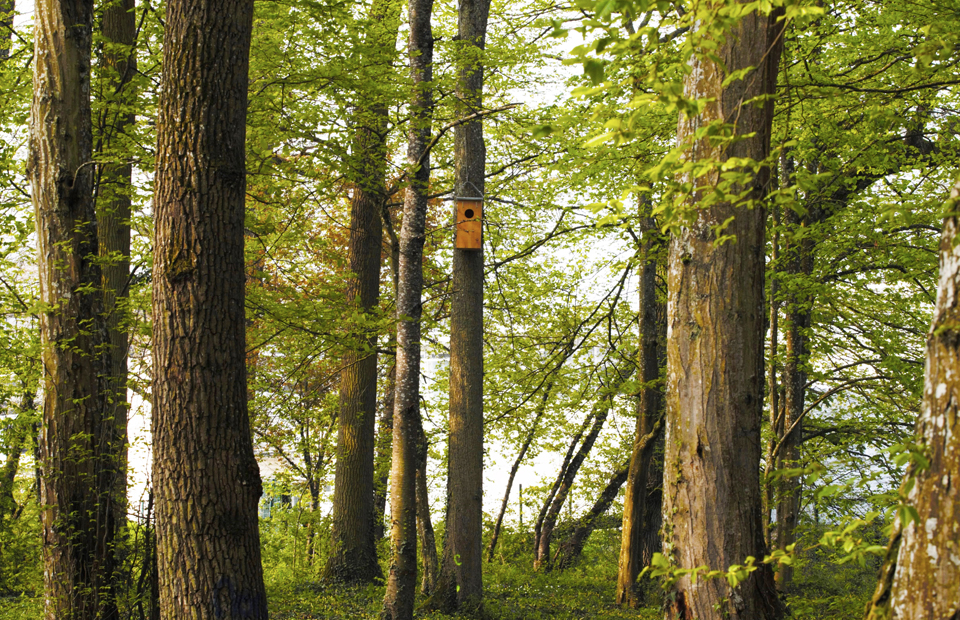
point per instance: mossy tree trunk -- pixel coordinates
(715, 341)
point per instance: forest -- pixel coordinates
(576, 309)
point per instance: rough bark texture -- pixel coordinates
(76, 476)
(711, 505)
(113, 219)
(402, 580)
(921, 577)
(206, 479)
(353, 556)
(461, 573)
(652, 324)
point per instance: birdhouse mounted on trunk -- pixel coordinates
(469, 223)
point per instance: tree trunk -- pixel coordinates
(516, 466)
(652, 324)
(799, 255)
(382, 459)
(353, 555)
(428, 541)
(921, 576)
(8, 475)
(715, 345)
(602, 409)
(113, 199)
(206, 478)
(76, 478)
(572, 546)
(461, 578)
(402, 580)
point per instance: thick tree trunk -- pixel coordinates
(113, 200)
(516, 466)
(714, 389)
(77, 473)
(206, 480)
(402, 579)
(921, 576)
(353, 556)
(461, 577)
(652, 324)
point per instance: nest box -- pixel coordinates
(469, 223)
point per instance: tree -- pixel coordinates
(354, 557)
(401, 582)
(206, 479)
(461, 576)
(78, 474)
(921, 575)
(652, 324)
(715, 323)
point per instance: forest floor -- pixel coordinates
(825, 589)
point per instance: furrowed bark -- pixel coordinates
(353, 557)
(461, 574)
(77, 476)
(921, 575)
(401, 581)
(711, 505)
(652, 324)
(206, 480)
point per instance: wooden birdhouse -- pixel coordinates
(469, 223)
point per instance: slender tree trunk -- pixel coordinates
(921, 575)
(715, 345)
(572, 545)
(543, 559)
(461, 578)
(772, 386)
(649, 412)
(353, 556)
(382, 459)
(402, 580)
(428, 541)
(799, 256)
(8, 475)
(113, 200)
(516, 466)
(76, 478)
(206, 479)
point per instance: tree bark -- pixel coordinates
(461, 579)
(428, 541)
(76, 477)
(353, 557)
(113, 201)
(652, 324)
(712, 508)
(206, 479)
(401, 581)
(382, 458)
(921, 576)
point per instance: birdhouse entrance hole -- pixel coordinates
(469, 223)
